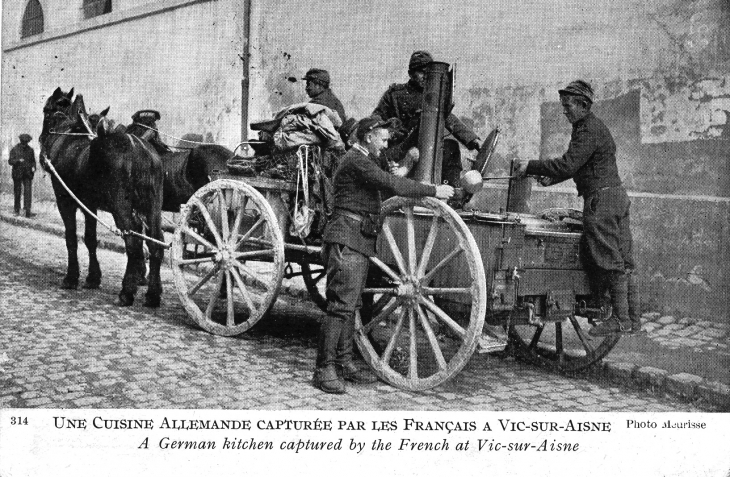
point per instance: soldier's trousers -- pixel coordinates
(23, 186)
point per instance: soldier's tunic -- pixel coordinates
(328, 98)
(403, 101)
(591, 162)
(22, 158)
(357, 182)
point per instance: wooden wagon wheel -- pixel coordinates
(227, 257)
(562, 346)
(405, 336)
(315, 277)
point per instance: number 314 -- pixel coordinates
(18, 421)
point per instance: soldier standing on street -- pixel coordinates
(22, 158)
(319, 92)
(606, 242)
(403, 101)
(349, 239)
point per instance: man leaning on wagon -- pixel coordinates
(22, 159)
(403, 101)
(606, 243)
(349, 239)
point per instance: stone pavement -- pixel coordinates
(679, 356)
(76, 349)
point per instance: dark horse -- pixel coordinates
(115, 172)
(185, 171)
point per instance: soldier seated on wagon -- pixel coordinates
(144, 126)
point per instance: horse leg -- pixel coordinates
(154, 287)
(93, 279)
(67, 209)
(135, 257)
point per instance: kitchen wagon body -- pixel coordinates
(439, 276)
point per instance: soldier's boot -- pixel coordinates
(634, 302)
(619, 321)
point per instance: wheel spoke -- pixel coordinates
(385, 313)
(230, 321)
(251, 275)
(393, 339)
(253, 254)
(244, 291)
(441, 314)
(429, 276)
(411, 238)
(236, 222)
(249, 232)
(208, 220)
(380, 291)
(584, 339)
(385, 268)
(193, 261)
(203, 280)
(214, 296)
(431, 338)
(447, 291)
(413, 351)
(394, 248)
(200, 239)
(224, 215)
(428, 246)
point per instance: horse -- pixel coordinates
(185, 170)
(116, 172)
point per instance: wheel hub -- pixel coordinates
(224, 257)
(409, 289)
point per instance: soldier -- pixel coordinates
(22, 158)
(144, 126)
(319, 92)
(349, 239)
(403, 101)
(591, 162)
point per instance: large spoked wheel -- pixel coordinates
(426, 257)
(227, 257)
(315, 280)
(562, 346)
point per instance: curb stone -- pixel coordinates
(683, 385)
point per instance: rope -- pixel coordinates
(112, 229)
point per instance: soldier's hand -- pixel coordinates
(397, 170)
(545, 181)
(444, 191)
(412, 156)
(520, 170)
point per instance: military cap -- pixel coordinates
(320, 76)
(25, 137)
(578, 88)
(368, 124)
(419, 59)
(145, 115)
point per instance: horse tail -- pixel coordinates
(145, 176)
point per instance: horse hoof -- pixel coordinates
(69, 285)
(125, 300)
(152, 302)
(91, 285)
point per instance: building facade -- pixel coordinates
(660, 68)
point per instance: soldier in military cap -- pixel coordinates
(144, 125)
(606, 243)
(403, 101)
(319, 92)
(22, 158)
(349, 239)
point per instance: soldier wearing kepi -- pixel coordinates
(22, 158)
(403, 101)
(606, 242)
(349, 239)
(319, 92)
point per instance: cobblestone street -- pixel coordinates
(70, 349)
